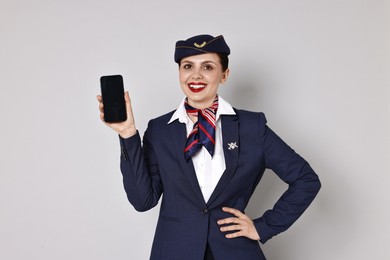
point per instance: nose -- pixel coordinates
(197, 74)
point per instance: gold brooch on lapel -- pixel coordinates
(232, 146)
(200, 45)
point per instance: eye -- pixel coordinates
(186, 66)
(208, 67)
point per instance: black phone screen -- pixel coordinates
(113, 98)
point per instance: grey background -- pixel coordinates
(318, 69)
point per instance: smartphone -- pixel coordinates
(113, 98)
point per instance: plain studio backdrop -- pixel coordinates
(320, 70)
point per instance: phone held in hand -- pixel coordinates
(113, 98)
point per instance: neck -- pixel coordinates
(193, 118)
(202, 105)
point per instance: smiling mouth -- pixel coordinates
(196, 87)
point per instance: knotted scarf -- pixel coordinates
(203, 132)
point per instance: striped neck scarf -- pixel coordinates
(203, 132)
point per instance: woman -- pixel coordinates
(206, 159)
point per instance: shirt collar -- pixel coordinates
(224, 108)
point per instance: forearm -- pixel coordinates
(291, 205)
(142, 185)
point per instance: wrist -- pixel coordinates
(128, 133)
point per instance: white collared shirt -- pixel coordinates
(208, 169)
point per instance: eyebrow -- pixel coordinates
(203, 62)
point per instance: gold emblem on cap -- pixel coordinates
(200, 45)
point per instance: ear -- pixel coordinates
(225, 76)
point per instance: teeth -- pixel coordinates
(197, 86)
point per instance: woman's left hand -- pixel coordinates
(240, 223)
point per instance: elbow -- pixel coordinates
(141, 206)
(313, 185)
(316, 183)
(311, 179)
(309, 183)
(319, 184)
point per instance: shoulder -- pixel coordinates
(158, 126)
(245, 116)
(163, 119)
(161, 124)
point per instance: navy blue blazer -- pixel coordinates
(186, 222)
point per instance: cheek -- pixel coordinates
(215, 78)
(183, 77)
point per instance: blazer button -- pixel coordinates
(205, 212)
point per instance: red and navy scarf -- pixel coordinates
(203, 132)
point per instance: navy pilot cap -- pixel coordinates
(200, 44)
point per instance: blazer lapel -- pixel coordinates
(179, 135)
(231, 146)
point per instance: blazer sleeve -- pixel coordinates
(303, 184)
(139, 167)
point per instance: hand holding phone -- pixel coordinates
(113, 98)
(124, 128)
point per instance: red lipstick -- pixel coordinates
(196, 86)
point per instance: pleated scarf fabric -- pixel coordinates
(203, 132)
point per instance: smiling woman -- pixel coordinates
(205, 160)
(200, 76)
